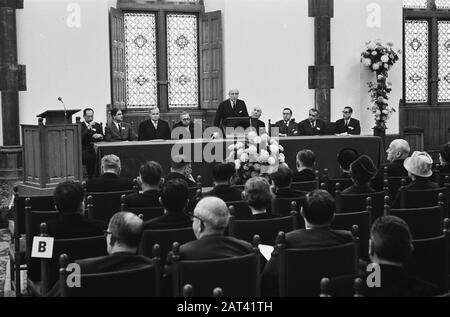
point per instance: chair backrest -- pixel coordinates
(239, 187)
(241, 209)
(419, 198)
(36, 203)
(267, 229)
(305, 186)
(236, 276)
(104, 205)
(345, 183)
(138, 282)
(147, 213)
(357, 202)
(362, 219)
(283, 206)
(301, 270)
(188, 291)
(165, 239)
(394, 183)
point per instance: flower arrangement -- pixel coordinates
(380, 58)
(256, 155)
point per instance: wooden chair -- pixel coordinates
(188, 291)
(266, 229)
(138, 282)
(241, 209)
(165, 239)
(283, 206)
(239, 187)
(424, 222)
(301, 270)
(146, 212)
(362, 219)
(344, 182)
(421, 198)
(104, 205)
(430, 259)
(236, 276)
(393, 184)
(357, 202)
(306, 186)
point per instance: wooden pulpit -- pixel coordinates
(52, 150)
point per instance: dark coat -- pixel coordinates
(305, 128)
(290, 129)
(225, 192)
(175, 175)
(305, 175)
(395, 169)
(301, 239)
(88, 154)
(287, 193)
(147, 199)
(225, 111)
(170, 220)
(147, 131)
(115, 262)
(353, 127)
(359, 189)
(112, 134)
(180, 125)
(109, 182)
(419, 183)
(73, 225)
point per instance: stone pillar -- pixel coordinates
(321, 75)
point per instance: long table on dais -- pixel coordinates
(326, 148)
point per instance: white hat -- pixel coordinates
(419, 164)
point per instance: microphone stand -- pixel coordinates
(65, 141)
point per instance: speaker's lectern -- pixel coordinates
(52, 150)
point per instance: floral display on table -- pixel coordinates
(380, 58)
(255, 156)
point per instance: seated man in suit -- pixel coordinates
(150, 181)
(347, 125)
(305, 164)
(174, 198)
(313, 125)
(256, 123)
(91, 132)
(222, 174)
(318, 213)
(154, 128)
(419, 169)
(287, 126)
(118, 130)
(397, 152)
(346, 157)
(109, 181)
(362, 170)
(181, 169)
(281, 183)
(185, 128)
(259, 198)
(230, 108)
(390, 246)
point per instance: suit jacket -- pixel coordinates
(147, 130)
(86, 135)
(301, 239)
(395, 169)
(225, 111)
(353, 127)
(180, 125)
(395, 282)
(305, 175)
(419, 183)
(304, 128)
(149, 198)
(109, 182)
(115, 262)
(175, 175)
(290, 130)
(73, 225)
(225, 192)
(170, 220)
(112, 134)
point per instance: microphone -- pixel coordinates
(65, 110)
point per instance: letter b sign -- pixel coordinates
(42, 248)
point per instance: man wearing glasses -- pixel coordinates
(347, 125)
(287, 126)
(185, 124)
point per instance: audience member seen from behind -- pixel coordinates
(110, 180)
(346, 157)
(281, 183)
(149, 180)
(362, 170)
(181, 169)
(306, 160)
(444, 160)
(259, 197)
(222, 174)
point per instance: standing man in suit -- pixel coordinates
(230, 108)
(287, 126)
(313, 125)
(347, 125)
(91, 132)
(118, 130)
(154, 128)
(183, 128)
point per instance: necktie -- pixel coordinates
(120, 128)
(234, 106)
(313, 124)
(346, 123)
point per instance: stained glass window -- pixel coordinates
(140, 59)
(415, 4)
(443, 4)
(182, 60)
(416, 60)
(444, 61)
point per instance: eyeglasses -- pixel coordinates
(192, 216)
(346, 112)
(106, 232)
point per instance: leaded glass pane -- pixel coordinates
(444, 61)
(416, 60)
(140, 59)
(415, 4)
(443, 4)
(182, 60)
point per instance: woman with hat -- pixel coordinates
(362, 170)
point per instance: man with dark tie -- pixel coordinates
(118, 130)
(184, 128)
(154, 128)
(230, 108)
(91, 132)
(347, 125)
(287, 126)
(313, 125)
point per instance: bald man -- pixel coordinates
(256, 123)
(230, 108)
(397, 152)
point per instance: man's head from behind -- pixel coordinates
(444, 155)
(346, 157)
(180, 165)
(211, 216)
(150, 173)
(257, 193)
(111, 164)
(68, 197)
(124, 233)
(398, 149)
(306, 158)
(223, 172)
(282, 177)
(390, 241)
(175, 195)
(318, 210)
